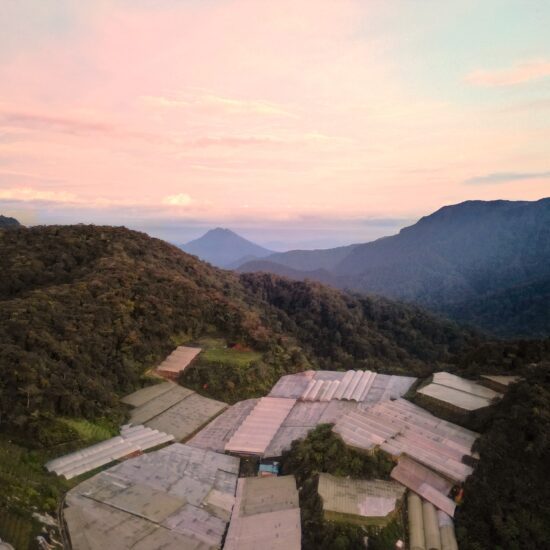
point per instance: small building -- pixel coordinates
(268, 469)
(266, 515)
(358, 501)
(177, 362)
(457, 394)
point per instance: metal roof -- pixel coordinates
(259, 427)
(399, 427)
(178, 497)
(131, 440)
(179, 359)
(266, 515)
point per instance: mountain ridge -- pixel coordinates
(456, 255)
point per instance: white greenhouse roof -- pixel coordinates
(178, 360)
(173, 409)
(399, 427)
(459, 392)
(359, 386)
(359, 497)
(258, 428)
(178, 497)
(217, 433)
(266, 515)
(131, 440)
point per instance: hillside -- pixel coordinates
(456, 261)
(8, 223)
(224, 248)
(85, 310)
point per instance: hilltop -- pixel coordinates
(224, 248)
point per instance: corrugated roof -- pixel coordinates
(260, 426)
(353, 386)
(399, 427)
(131, 440)
(266, 515)
(425, 482)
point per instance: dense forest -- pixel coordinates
(324, 452)
(508, 496)
(85, 310)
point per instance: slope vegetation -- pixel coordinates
(85, 310)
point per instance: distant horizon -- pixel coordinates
(317, 116)
(343, 233)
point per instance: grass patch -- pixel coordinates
(215, 350)
(91, 431)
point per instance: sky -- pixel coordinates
(298, 123)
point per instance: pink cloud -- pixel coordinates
(518, 74)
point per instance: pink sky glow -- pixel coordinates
(264, 112)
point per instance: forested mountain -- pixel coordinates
(84, 310)
(8, 223)
(474, 261)
(224, 248)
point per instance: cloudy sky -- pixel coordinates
(297, 122)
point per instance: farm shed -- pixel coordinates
(178, 497)
(177, 361)
(363, 502)
(266, 515)
(458, 394)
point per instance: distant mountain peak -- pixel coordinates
(224, 248)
